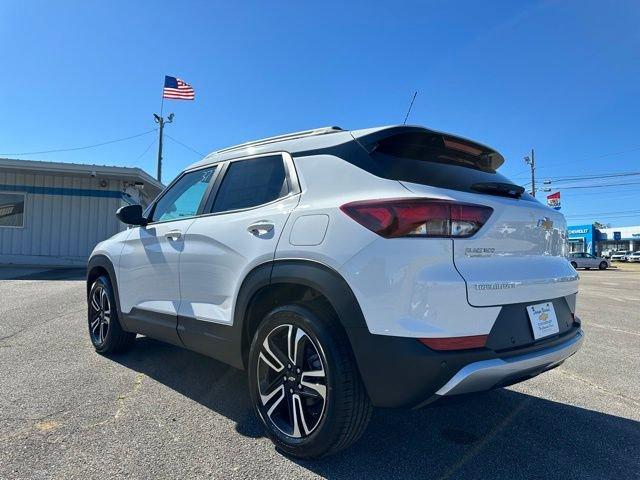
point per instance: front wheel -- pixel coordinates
(304, 382)
(603, 266)
(574, 265)
(107, 336)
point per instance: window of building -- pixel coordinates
(12, 209)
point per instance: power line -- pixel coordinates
(591, 177)
(604, 155)
(628, 212)
(147, 149)
(598, 186)
(184, 145)
(617, 193)
(605, 213)
(576, 178)
(580, 217)
(78, 148)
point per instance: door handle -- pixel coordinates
(261, 228)
(173, 235)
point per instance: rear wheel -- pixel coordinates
(304, 383)
(574, 265)
(107, 336)
(603, 266)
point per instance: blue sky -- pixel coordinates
(562, 77)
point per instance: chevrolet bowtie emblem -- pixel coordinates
(545, 223)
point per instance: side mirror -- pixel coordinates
(131, 215)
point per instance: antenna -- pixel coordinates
(415, 94)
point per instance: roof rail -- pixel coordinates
(282, 138)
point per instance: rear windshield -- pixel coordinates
(411, 159)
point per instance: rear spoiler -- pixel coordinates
(420, 142)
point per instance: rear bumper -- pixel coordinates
(486, 374)
(402, 372)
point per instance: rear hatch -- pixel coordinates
(518, 255)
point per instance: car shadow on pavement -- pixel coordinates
(52, 274)
(498, 434)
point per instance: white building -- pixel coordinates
(55, 213)
(619, 238)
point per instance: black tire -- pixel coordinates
(603, 266)
(106, 337)
(574, 265)
(346, 408)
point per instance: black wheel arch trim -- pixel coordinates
(326, 281)
(306, 273)
(104, 262)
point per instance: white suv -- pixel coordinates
(344, 269)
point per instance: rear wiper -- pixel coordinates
(497, 188)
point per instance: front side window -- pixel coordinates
(252, 182)
(12, 209)
(183, 198)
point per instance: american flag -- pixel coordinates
(177, 89)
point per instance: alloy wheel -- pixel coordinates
(100, 315)
(292, 381)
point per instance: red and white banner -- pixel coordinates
(553, 200)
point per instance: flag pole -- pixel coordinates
(162, 100)
(161, 121)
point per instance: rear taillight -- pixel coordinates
(418, 217)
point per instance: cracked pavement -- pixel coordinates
(162, 412)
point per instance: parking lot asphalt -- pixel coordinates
(163, 412)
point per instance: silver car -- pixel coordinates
(588, 261)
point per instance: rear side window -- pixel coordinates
(252, 182)
(433, 160)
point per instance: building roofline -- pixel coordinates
(39, 166)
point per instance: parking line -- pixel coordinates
(606, 327)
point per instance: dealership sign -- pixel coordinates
(578, 231)
(553, 200)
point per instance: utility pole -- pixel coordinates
(531, 161)
(160, 120)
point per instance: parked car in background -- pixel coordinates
(634, 257)
(620, 256)
(607, 253)
(588, 261)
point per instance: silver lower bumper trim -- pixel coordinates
(486, 374)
